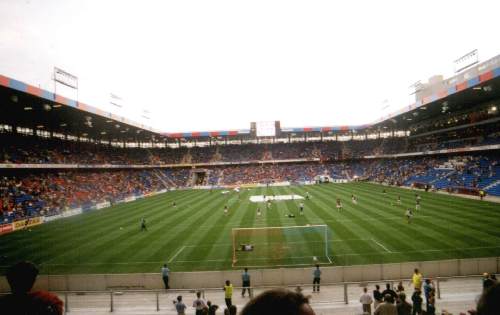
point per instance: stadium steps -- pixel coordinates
(221, 178)
(157, 174)
(493, 188)
(492, 185)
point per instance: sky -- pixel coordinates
(219, 65)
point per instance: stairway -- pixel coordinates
(163, 179)
(492, 185)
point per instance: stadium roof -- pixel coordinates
(40, 109)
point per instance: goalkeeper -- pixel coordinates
(245, 248)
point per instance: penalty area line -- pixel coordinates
(176, 254)
(381, 245)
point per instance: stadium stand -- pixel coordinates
(57, 155)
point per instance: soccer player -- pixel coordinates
(307, 195)
(174, 204)
(258, 212)
(354, 199)
(417, 205)
(384, 192)
(409, 215)
(398, 201)
(226, 210)
(339, 204)
(143, 224)
(268, 204)
(245, 248)
(301, 208)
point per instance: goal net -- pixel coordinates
(280, 246)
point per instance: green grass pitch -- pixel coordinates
(196, 235)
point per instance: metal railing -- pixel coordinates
(346, 287)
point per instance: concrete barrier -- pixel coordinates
(264, 277)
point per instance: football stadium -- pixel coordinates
(100, 212)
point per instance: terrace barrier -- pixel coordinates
(264, 277)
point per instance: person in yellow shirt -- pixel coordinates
(228, 293)
(417, 279)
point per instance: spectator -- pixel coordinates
(316, 279)
(199, 304)
(21, 278)
(400, 288)
(417, 279)
(377, 297)
(278, 302)
(212, 308)
(428, 287)
(431, 304)
(180, 307)
(245, 279)
(389, 291)
(164, 274)
(489, 302)
(403, 307)
(233, 310)
(487, 281)
(387, 307)
(366, 301)
(417, 302)
(228, 293)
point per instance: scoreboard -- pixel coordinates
(265, 128)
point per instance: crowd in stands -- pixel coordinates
(18, 149)
(51, 192)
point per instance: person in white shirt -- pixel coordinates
(366, 301)
(199, 304)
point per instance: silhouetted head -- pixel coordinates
(278, 302)
(21, 277)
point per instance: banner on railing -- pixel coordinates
(22, 224)
(102, 205)
(6, 228)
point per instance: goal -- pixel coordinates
(281, 246)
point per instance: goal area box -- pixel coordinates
(280, 246)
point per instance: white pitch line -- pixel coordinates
(381, 245)
(176, 254)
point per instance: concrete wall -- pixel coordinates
(265, 277)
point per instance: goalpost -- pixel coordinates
(279, 246)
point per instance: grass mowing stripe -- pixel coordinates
(214, 212)
(106, 248)
(111, 227)
(460, 223)
(338, 229)
(57, 230)
(382, 234)
(447, 227)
